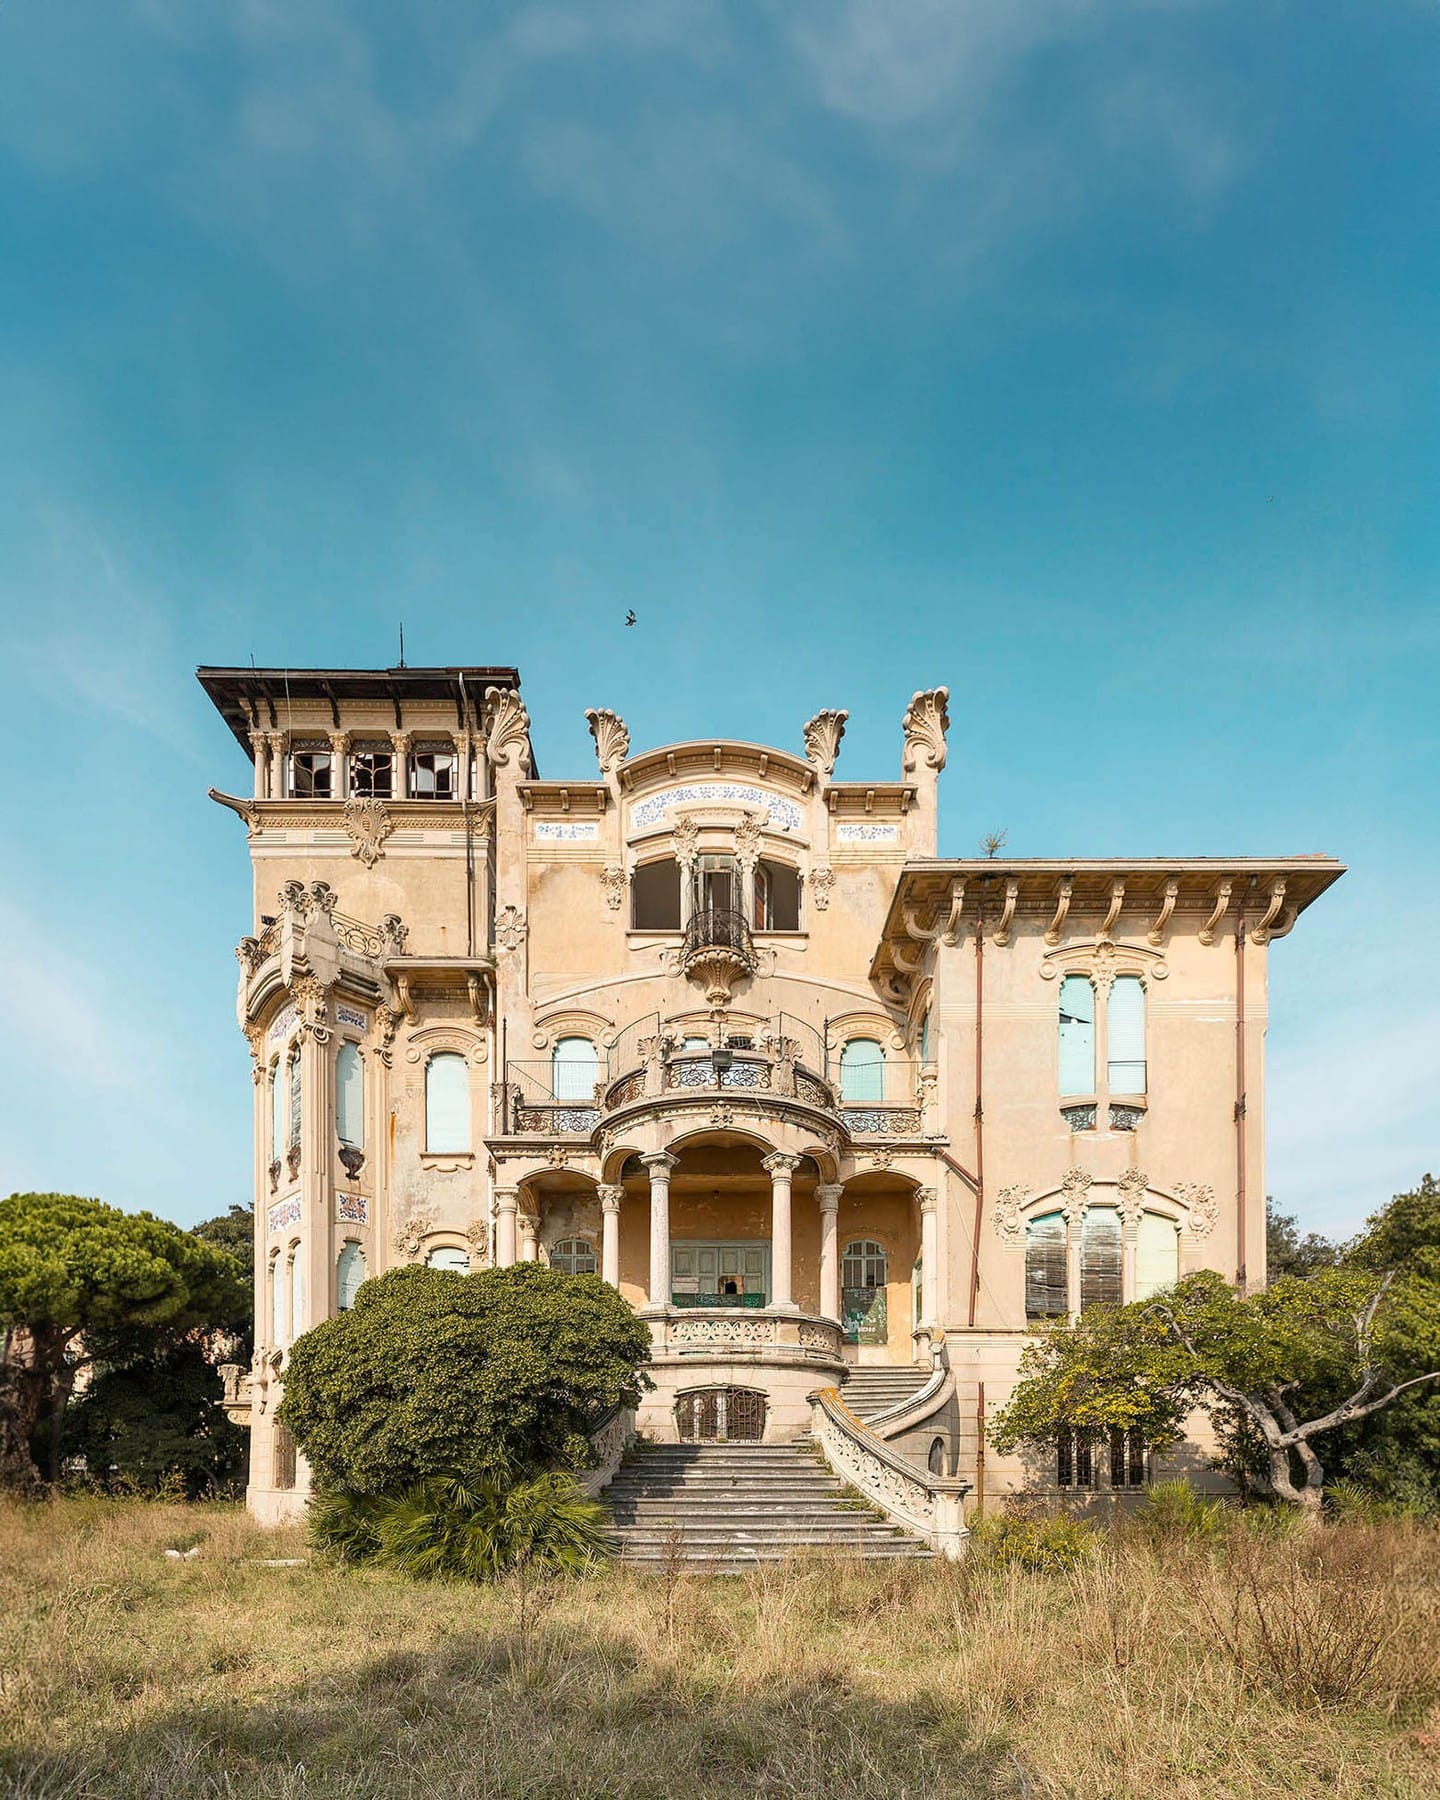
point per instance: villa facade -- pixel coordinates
(723, 1028)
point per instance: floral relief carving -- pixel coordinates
(822, 739)
(1006, 1217)
(411, 1232)
(925, 723)
(1075, 1193)
(507, 729)
(685, 835)
(613, 882)
(511, 929)
(368, 822)
(747, 841)
(1134, 1184)
(1198, 1199)
(611, 735)
(821, 885)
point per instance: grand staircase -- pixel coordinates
(877, 1387)
(727, 1507)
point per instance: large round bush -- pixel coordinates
(434, 1373)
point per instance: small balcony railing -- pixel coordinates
(718, 928)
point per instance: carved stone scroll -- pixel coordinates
(925, 723)
(611, 735)
(822, 739)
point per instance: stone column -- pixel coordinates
(929, 1253)
(659, 1163)
(828, 1200)
(277, 765)
(506, 1201)
(260, 749)
(317, 1155)
(780, 1169)
(529, 1239)
(339, 765)
(400, 768)
(610, 1198)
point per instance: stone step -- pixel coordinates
(661, 1511)
(810, 1534)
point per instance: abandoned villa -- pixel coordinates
(720, 1026)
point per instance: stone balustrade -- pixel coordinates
(932, 1506)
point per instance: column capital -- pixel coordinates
(659, 1162)
(507, 1199)
(339, 741)
(610, 1198)
(780, 1164)
(827, 1195)
(401, 741)
(928, 1199)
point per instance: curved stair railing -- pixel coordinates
(611, 1435)
(924, 1403)
(932, 1506)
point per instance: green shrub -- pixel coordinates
(1175, 1509)
(1045, 1545)
(478, 1530)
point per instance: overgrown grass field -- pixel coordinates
(1249, 1663)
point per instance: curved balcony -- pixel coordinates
(703, 1333)
(730, 1071)
(717, 951)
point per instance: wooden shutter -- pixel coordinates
(1125, 1048)
(1077, 1036)
(447, 1103)
(1046, 1289)
(350, 1096)
(1100, 1258)
(1157, 1255)
(1065, 1459)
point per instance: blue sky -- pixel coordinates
(1078, 355)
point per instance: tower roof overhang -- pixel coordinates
(254, 699)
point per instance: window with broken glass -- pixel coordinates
(372, 771)
(434, 773)
(312, 771)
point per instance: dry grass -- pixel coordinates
(1180, 1671)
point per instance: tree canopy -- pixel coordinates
(1303, 1358)
(74, 1271)
(433, 1373)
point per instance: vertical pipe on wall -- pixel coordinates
(980, 1453)
(1240, 1197)
(979, 1110)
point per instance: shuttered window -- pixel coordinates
(1100, 1258)
(297, 1294)
(1125, 1033)
(350, 1096)
(447, 1103)
(1077, 1036)
(1045, 1287)
(350, 1272)
(1157, 1255)
(277, 1110)
(862, 1073)
(293, 1071)
(574, 1069)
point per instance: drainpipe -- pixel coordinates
(1240, 1197)
(979, 1109)
(980, 1453)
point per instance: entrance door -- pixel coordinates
(713, 1415)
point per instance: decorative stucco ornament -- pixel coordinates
(507, 729)
(1006, 1216)
(613, 884)
(1133, 1186)
(747, 841)
(411, 1232)
(611, 735)
(1198, 1198)
(1075, 1193)
(925, 723)
(685, 835)
(511, 929)
(822, 884)
(369, 824)
(822, 739)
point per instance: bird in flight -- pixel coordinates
(630, 616)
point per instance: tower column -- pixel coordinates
(659, 1163)
(506, 1202)
(781, 1169)
(610, 1198)
(827, 1198)
(929, 1253)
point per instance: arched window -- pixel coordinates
(448, 1256)
(277, 1110)
(447, 1103)
(349, 1273)
(1157, 1255)
(1077, 1036)
(935, 1461)
(655, 896)
(1046, 1288)
(1125, 1031)
(277, 1302)
(350, 1096)
(293, 1071)
(573, 1256)
(864, 1265)
(297, 1293)
(862, 1072)
(1100, 1258)
(574, 1069)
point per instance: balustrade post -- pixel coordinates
(659, 1163)
(828, 1200)
(610, 1198)
(507, 1201)
(781, 1169)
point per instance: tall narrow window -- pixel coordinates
(574, 1069)
(277, 1303)
(1046, 1293)
(1100, 1258)
(293, 1075)
(311, 772)
(777, 897)
(862, 1073)
(349, 1273)
(1077, 1036)
(1065, 1459)
(864, 1303)
(433, 774)
(297, 1293)
(655, 896)
(715, 884)
(350, 1096)
(372, 771)
(277, 1110)
(1157, 1255)
(1126, 1034)
(447, 1103)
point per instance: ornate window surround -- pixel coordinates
(1015, 1207)
(1102, 962)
